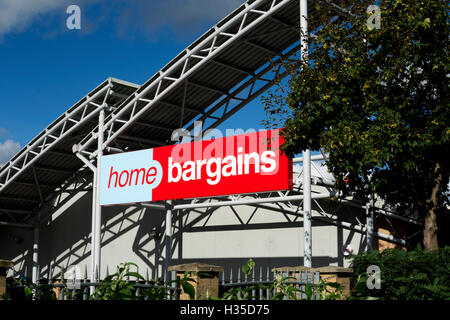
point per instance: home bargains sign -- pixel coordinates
(246, 163)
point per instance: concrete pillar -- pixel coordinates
(340, 275)
(206, 277)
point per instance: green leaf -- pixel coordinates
(248, 267)
(136, 275)
(189, 289)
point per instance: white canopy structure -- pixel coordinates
(230, 65)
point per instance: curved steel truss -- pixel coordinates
(212, 79)
(207, 48)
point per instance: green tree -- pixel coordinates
(376, 101)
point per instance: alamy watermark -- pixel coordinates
(245, 143)
(73, 277)
(374, 279)
(374, 20)
(73, 22)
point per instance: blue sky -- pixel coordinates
(45, 68)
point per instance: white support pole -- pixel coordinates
(93, 229)
(370, 217)
(98, 208)
(93, 240)
(307, 230)
(168, 238)
(35, 260)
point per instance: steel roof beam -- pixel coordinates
(61, 153)
(183, 104)
(286, 27)
(210, 88)
(57, 170)
(179, 70)
(233, 67)
(344, 224)
(119, 95)
(338, 9)
(174, 105)
(155, 126)
(16, 211)
(18, 198)
(273, 52)
(30, 183)
(253, 92)
(47, 139)
(250, 201)
(286, 24)
(141, 139)
(38, 187)
(16, 225)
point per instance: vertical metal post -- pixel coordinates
(307, 252)
(98, 209)
(93, 229)
(370, 217)
(35, 260)
(168, 237)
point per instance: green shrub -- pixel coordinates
(23, 289)
(282, 289)
(414, 275)
(115, 287)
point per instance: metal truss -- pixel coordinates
(246, 92)
(80, 181)
(60, 129)
(190, 61)
(283, 205)
(236, 29)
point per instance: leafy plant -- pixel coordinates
(24, 289)
(376, 101)
(186, 283)
(414, 275)
(326, 290)
(282, 288)
(115, 287)
(246, 292)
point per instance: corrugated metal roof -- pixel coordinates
(55, 165)
(204, 88)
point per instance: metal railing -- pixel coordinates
(83, 289)
(261, 284)
(268, 283)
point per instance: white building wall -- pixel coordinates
(226, 236)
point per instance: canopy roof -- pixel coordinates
(214, 77)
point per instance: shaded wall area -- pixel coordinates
(225, 236)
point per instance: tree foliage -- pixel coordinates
(375, 100)
(413, 275)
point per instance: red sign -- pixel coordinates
(239, 164)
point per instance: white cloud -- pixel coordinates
(8, 149)
(180, 16)
(148, 16)
(16, 15)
